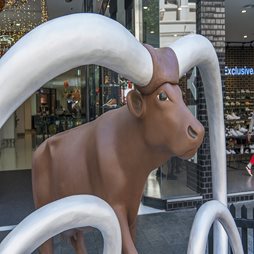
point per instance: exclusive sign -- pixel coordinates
(239, 71)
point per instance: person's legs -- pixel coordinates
(249, 166)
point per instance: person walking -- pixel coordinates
(251, 162)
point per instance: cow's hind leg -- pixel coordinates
(77, 242)
(47, 247)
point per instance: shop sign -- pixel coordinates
(238, 71)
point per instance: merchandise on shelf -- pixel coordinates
(238, 107)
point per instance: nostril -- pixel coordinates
(191, 132)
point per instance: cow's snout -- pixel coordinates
(195, 134)
(192, 133)
(195, 131)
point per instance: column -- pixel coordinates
(211, 24)
(120, 15)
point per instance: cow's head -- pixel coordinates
(166, 121)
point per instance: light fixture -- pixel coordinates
(244, 11)
(179, 8)
(152, 32)
(175, 35)
(245, 36)
(145, 7)
(18, 17)
(10, 3)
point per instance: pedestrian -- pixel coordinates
(251, 162)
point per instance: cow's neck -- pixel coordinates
(140, 156)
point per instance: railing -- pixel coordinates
(210, 212)
(244, 223)
(61, 215)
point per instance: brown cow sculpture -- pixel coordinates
(112, 156)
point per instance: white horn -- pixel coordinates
(65, 43)
(196, 50)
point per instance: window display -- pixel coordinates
(57, 109)
(239, 107)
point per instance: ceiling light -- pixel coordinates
(175, 35)
(145, 7)
(18, 24)
(151, 32)
(179, 8)
(244, 11)
(245, 36)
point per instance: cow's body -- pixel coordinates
(112, 156)
(85, 160)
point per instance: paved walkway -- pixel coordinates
(157, 233)
(160, 233)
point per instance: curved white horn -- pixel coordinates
(62, 44)
(61, 215)
(196, 50)
(205, 217)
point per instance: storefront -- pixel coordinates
(239, 107)
(84, 93)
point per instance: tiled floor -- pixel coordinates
(161, 187)
(237, 181)
(19, 156)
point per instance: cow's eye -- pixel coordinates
(162, 96)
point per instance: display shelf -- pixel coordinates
(240, 103)
(47, 126)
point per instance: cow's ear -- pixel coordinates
(136, 103)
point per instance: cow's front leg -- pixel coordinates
(77, 241)
(133, 231)
(128, 246)
(47, 247)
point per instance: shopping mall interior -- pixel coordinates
(81, 95)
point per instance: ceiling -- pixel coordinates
(239, 24)
(57, 8)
